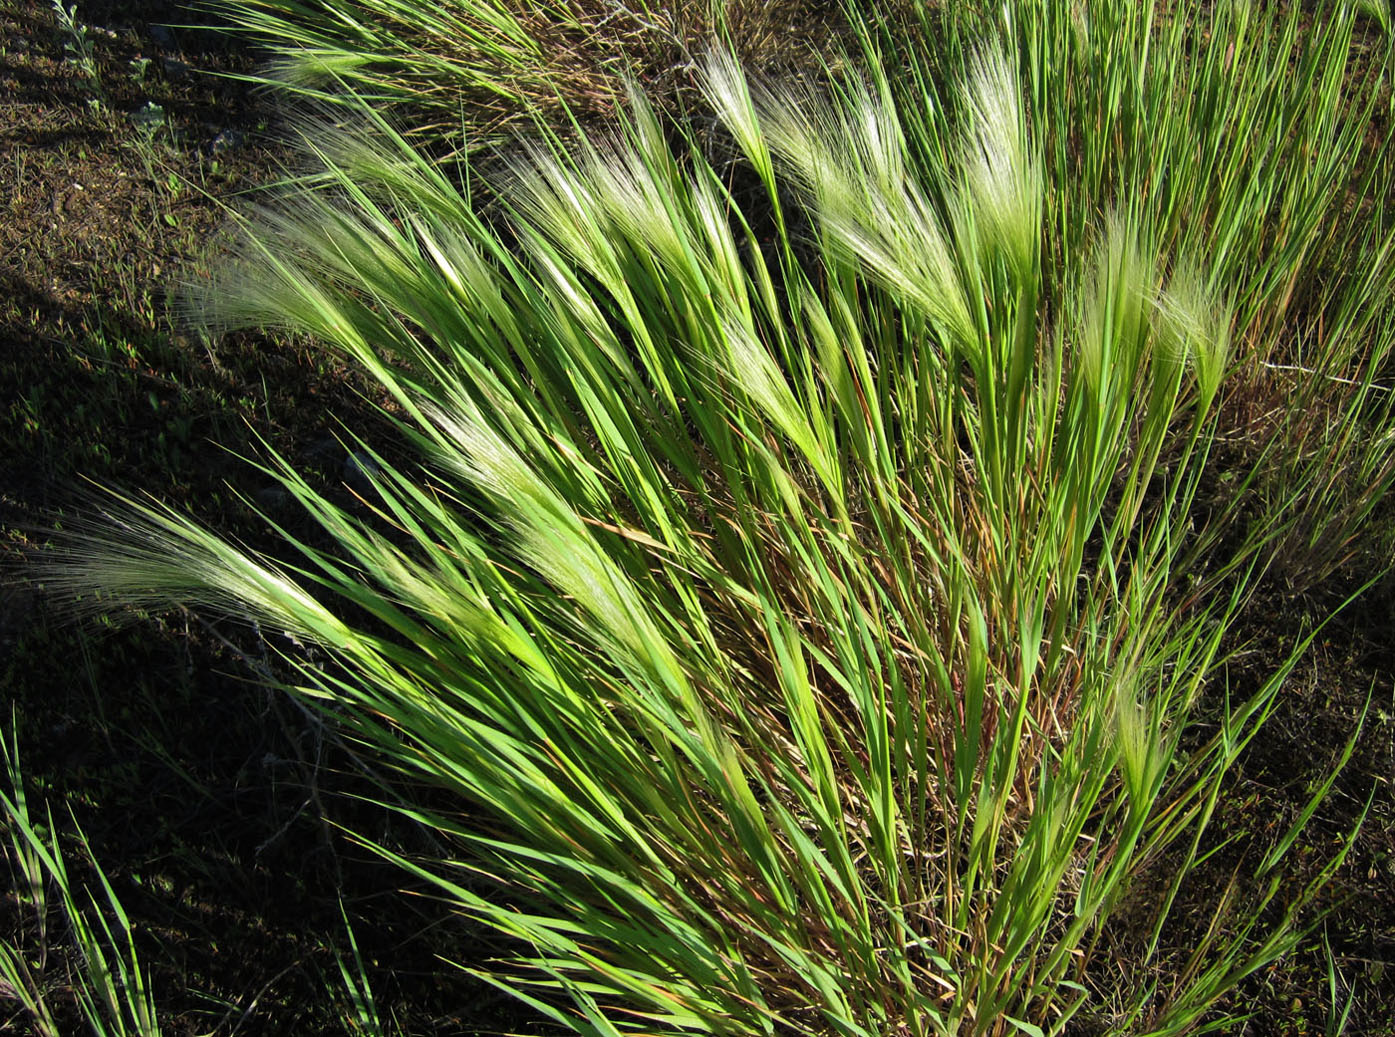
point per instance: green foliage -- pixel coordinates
(816, 594)
(358, 1006)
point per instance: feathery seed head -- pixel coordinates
(1002, 173)
(1115, 322)
(1195, 326)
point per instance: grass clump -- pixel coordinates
(1257, 136)
(814, 599)
(465, 72)
(104, 974)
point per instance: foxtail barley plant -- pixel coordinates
(807, 600)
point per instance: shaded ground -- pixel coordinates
(209, 801)
(204, 797)
(1347, 671)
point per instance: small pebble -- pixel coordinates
(359, 469)
(271, 499)
(228, 140)
(323, 452)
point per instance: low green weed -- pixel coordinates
(80, 51)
